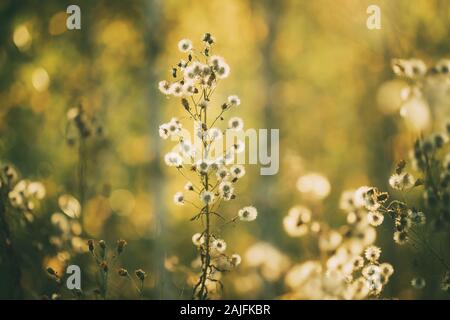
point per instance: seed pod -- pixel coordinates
(51, 272)
(400, 166)
(91, 245)
(185, 104)
(122, 272)
(102, 244)
(121, 245)
(140, 274)
(104, 266)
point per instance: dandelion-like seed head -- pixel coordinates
(357, 263)
(219, 245)
(400, 237)
(173, 159)
(164, 87)
(236, 124)
(176, 89)
(237, 171)
(417, 217)
(402, 181)
(189, 186)
(207, 197)
(372, 253)
(386, 269)
(222, 173)
(248, 213)
(234, 100)
(198, 239)
(238, 147)
(202, 166)
(375, 218)
(226, 189)
(295, 223)
(178, 198)
(214, 134)
(185, 45)
(418, 283)
(235, 259)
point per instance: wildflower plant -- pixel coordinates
(20, 203)
(209, 169)
(425, 226)
(80, 127)
(106, 261)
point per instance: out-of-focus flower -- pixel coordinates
(314, 186)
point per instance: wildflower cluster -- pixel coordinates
(20, 201)
(25, 196)
(214, 174)
(350, 267)
(430, 159)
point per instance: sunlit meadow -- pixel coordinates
(100, 169)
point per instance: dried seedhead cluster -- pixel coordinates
(348, 264)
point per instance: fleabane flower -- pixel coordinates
(198, 239)
(186, 148)
(192, 72)
(214, 134)
(173, 159)
(223, 70)
(357, 263)
(234, 100)
(222, 173)
(219, 65)
(176, 89)
(402, 181)
(202, 166)
(219, 245)
(216, 60)
(189, 186)
(416, 217)
(188, 88)
(372, 253)
(185, 45)
(207, 197)
(227, 159)
(297, 220)
(386, 269)
(226, 190)
(400, 237)
(178, 198)
(375, 218)
(164, 131)
(237, 171)
(164, 87)
(235, 124)
(238, 147)
(174, 126)
(170, 129)
(248, 213)
(235, 259)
